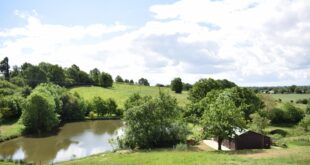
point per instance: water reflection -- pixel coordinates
(74, 140)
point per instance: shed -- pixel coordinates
(246, 139)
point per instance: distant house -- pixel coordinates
(245, 139)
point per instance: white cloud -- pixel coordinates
(250, 42)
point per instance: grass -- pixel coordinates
(10, 130)
(298, 155)
(289, 97)
(121, 92)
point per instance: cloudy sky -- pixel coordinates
(253, 42)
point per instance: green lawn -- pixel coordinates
(9, 130)
(120, 92)
(289, 97)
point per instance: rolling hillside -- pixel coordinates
(120, 92)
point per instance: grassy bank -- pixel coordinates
(10, 130)
(121, 92)
(297, 155)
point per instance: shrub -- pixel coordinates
(292, 113)
(11, 106)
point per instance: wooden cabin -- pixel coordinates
(245, 139)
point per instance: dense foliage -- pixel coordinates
(203, 86)
(104, 108)
(152, 122)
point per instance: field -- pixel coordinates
(121, 92)
(289, 97)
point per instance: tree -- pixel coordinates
(99, 106)
(131, 82)
(119, 79)
(203, 86)
(246, 100)
(34, 75)
(259, 123)
(94, 75)
(177, 85)
(153, 123)
(54, 73)
(305, 123)
(111, 106)
(223, 119)
(143, 81)
(105, 80)
(73, 107)
(39, 114)
(5, 68)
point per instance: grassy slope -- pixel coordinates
(11, 129)
(120, 92)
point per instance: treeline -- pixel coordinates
(282, 89)
(32, 75)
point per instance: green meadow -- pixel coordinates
(120, 92)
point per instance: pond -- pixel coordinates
(74, 140)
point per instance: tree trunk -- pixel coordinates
(219, 141)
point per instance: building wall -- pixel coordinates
(252, 140)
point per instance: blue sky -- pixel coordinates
(253, 43)
(80, 12)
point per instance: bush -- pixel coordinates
(292, 113)
(39, 115)
(153, 123)
(11, 106)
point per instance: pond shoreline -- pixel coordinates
(74, 140)
(21, 134)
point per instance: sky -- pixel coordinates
(252, 43)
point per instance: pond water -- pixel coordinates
(74, 140)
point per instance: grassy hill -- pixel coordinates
(120, 92)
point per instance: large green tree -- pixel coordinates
(153, 122)
(177, 85)
(223, 118)
(39, 115)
